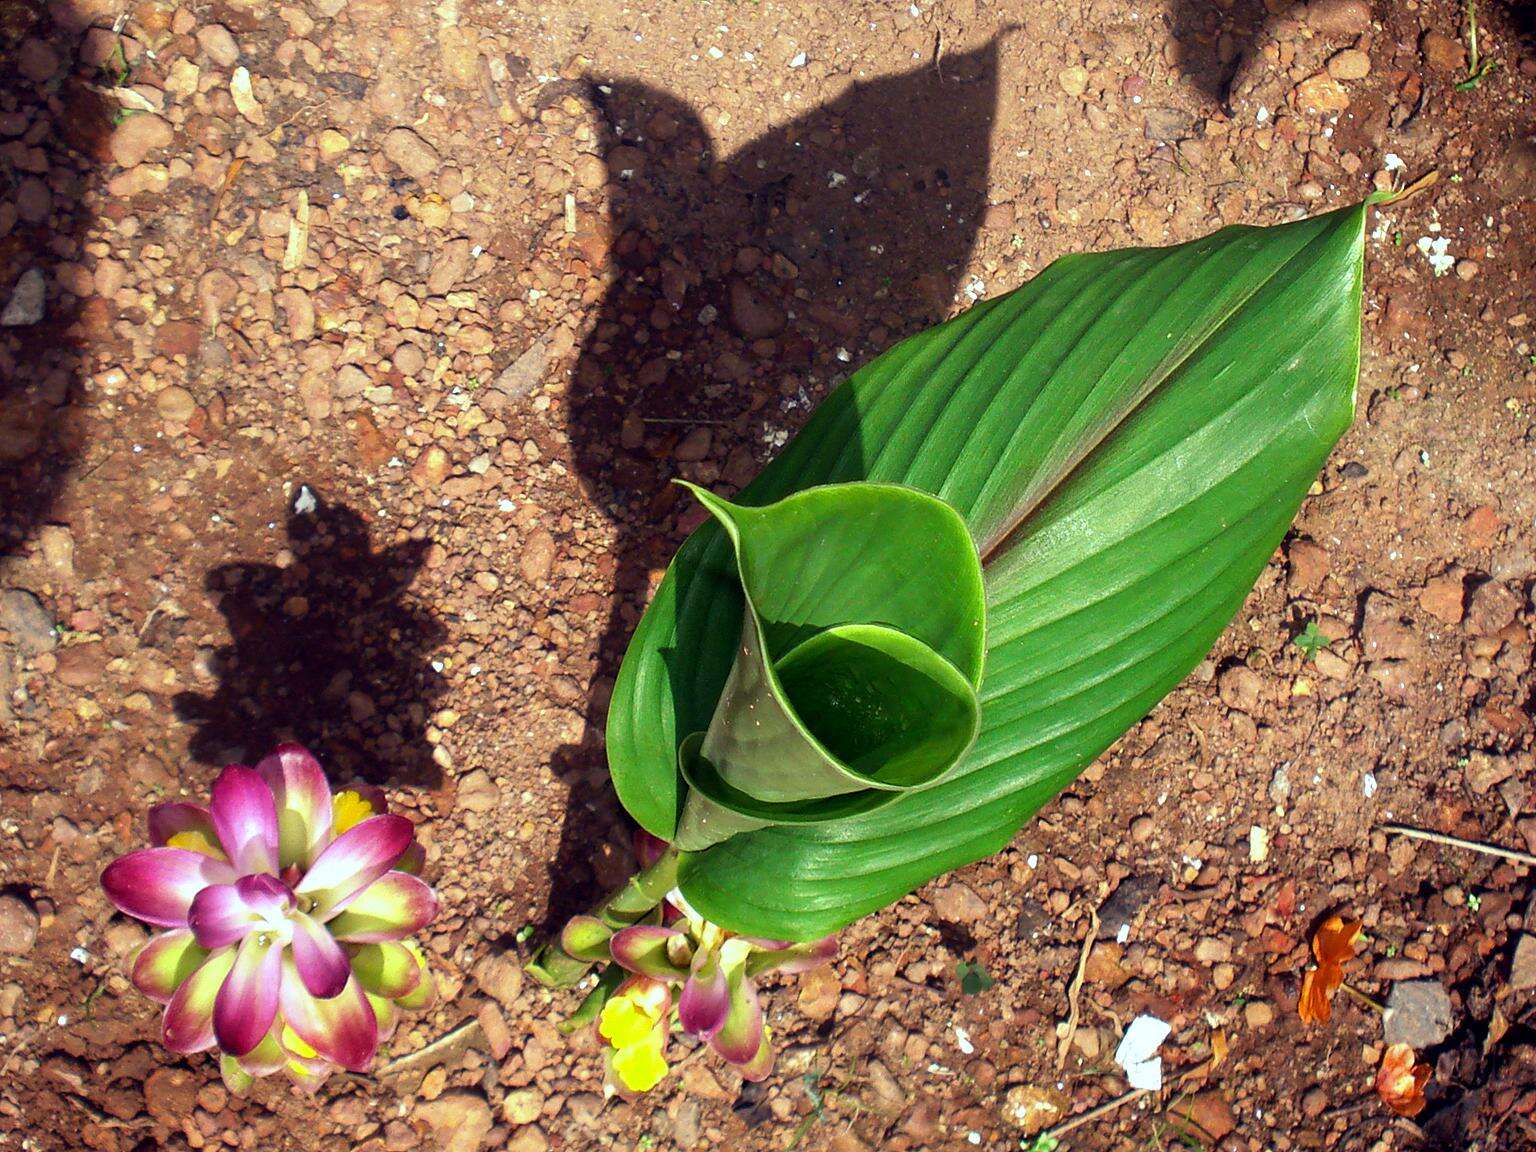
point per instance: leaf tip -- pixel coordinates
(718, 506)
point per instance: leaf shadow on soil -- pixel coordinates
(847, 228)
(1214, 39)
(327, 649)
(49, 185)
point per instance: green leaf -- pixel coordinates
(1127, 438)
(857, 598)
(1310, 640)
(591, 1005)
(974, 979)
(884, 704)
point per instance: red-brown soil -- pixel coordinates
(559, 253)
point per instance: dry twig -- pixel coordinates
(1457, 842)
(1204, 1068)
(1093, 1114)
(230, 175)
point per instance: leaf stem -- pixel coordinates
(1472, 38)
(1369, 1001)
(554, 967)
(642, 892)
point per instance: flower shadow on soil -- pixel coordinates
(327, 650)
(737, 277)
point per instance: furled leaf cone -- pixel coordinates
(688, 974)
(286, 913)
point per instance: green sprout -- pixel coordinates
(818, 1099)
(973, 978)
(1310, 640)
(116, 69)
(88, 1007)
(1477, 66)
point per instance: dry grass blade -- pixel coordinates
(1075, 992)
(231, 174)
(452, 1043)
(298, 235)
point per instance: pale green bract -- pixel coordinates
(1125, 440)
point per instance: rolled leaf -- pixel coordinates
(1127, 438)
(860, 653)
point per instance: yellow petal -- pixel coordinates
(640, 1067)
(294, 1044)
(624, 1022)
(347, 809)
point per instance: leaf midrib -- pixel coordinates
(1035, 496)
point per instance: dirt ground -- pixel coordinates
(477, 279)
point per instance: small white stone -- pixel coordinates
(1258, 844)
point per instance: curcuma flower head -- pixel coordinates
(712, 972)
(286, 913)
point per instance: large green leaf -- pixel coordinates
(1127, 437)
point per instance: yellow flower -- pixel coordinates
(347, 809)
(641, 1066)
(624, 1022)
(632, 1013)
(634, 1023)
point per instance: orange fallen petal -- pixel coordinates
(1313, 1006)
(1336, 940)
(1400, 1080)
